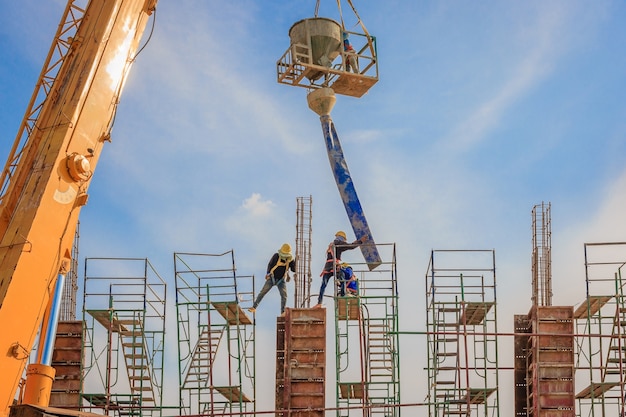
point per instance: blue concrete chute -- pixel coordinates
(322, 101)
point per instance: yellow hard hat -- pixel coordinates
(345, 265)
(342, 234)
(285, 249)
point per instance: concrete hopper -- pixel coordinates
(322, 101)
(323, 36)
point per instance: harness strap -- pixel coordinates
(280, 262)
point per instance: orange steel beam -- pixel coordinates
(73, 124)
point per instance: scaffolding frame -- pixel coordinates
(462, 346)
(124, 304)
(601, 329)
(216, 338)
(367, 341)
(304, 230)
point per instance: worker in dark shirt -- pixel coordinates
(277, 274)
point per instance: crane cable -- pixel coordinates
(343, 26)
(360, 22)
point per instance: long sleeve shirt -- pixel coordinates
(335, 249)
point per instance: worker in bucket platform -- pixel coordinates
(350, 55)
(333, 260)
(277, 274)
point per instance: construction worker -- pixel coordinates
(277, 274)
(348, 284)
(333, 260)
(350, 55)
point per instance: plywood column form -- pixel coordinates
(67, 360)
(521, 325)
(550, 362)
(302, 393)
(280, 365)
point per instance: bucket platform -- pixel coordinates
(316, 58)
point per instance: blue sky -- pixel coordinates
(483, 109)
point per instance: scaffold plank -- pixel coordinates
(233, 394)
(350, 390)
(348, 308)
(478, 395)
(596, 389)
(232, 312)
(592, 305)
(474, 313)
(108, 319)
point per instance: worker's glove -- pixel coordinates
(288, 277)
(267, 276)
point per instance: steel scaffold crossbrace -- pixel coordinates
(367, 340)
(462, 345)
(601, 332)
(216, 337)
(124, 319)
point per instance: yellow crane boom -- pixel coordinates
(47, 175)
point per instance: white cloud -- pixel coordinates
(532, 56)
(257, 207)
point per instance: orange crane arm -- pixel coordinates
(40, 208)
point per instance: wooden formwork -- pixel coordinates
(67, 360)
(521, 325)
(300, 371)
(549, 354)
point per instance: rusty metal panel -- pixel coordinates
(306, 372)
(307, 413)
(309, 357)
(305, 394)
(304, 364)
(36, 411)
(521, 325)
(67, 360)
(64, 399)
(552, 312)
(551, 362)
(555, 372)
(280, 364)
(556, 356)
(557, 413)
(555, 401)
(556, 386)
